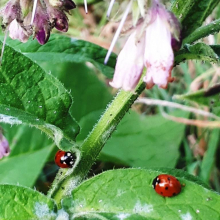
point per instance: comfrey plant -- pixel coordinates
(161, 36)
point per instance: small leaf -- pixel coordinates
(209, 157)
(209, 97)
(199, 51)
(128, 194)
(64, 49)
(204, 31)
(29, 95)
(19, 203)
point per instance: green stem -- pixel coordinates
(94, 143)
(204, 31)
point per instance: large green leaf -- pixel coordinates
(128, 194)
(29, 151)
(199, 51)
(192, 13)
(29, 95)
(64, 49)
(142, 141)
(90, 94)
(19, 203)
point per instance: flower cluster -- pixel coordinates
(24, 18)
(150, 45)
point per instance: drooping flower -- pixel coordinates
(130, 64)
(158, 55)
(4, 146)
(156, 34)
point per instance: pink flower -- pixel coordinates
(150, 45)
(129, 65)
(4, 146)
(158, 55)
(17, 32)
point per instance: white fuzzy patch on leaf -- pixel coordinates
(186, 216)
(142, 208)
(9, 119)
(122, 216)
(42, 211)
(62, 215)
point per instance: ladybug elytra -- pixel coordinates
(166, 185)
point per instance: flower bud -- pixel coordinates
(4, 146)
(11, 11)
(61, 23)
(41, 25)
(63, 4)
(58, 19)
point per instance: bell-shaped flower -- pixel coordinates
(4, 146)
(129, 64)
(158, 55)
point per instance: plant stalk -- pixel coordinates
(93, 144)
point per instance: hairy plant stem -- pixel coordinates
(66, 181)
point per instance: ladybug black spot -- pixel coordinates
(168, 178)
(174, 194)
(166, 188)
(154, 182)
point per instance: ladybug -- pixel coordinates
(64, 159)
(166, 185)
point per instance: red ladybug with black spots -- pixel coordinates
(64, 159)
(166, 185)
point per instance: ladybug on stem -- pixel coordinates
(64, 159)
(166, 185)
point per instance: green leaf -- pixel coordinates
(29, 152)
(135, 142)
(199, 51)
(84, 86)
(90, 94)
(64, 49)
(209, 157)
(192, 13)
(128, 194)
(209, 97)
(29, 95)
(204, 31)
(20, 203)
